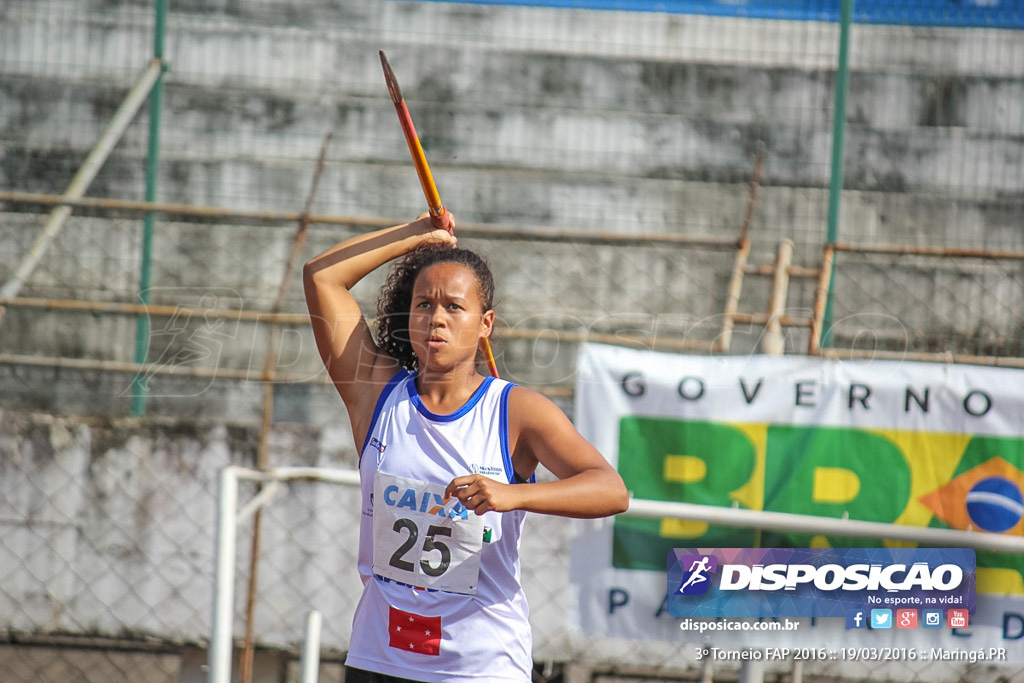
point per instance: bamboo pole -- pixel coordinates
(155, 310)
(188, 371)
(560, 392)
(913, 250)
(84, 177)
(960, 358)
(773, 343)
(132, 368)
(766, 318)
(467, 229)
(267, 416)
(822, 295)
(172, 208)
(768, 270)
(732, 297)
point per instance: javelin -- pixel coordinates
(434, 204)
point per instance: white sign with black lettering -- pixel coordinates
(422, 539)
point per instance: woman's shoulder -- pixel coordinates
(527, 406)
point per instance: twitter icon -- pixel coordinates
(881, 618)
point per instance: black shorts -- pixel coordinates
(360, 676)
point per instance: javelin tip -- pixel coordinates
(389, 78)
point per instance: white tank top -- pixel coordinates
(477, 625)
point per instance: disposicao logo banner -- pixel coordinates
(817, 582)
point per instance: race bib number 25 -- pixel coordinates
(421, 539)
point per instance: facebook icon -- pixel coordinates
(856, 619)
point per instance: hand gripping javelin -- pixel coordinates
(434, 204)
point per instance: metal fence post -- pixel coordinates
(311, 649)
(838, 137)
(148, 219)
(224, 580)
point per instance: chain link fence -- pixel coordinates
(609, 164)
(108, 562)
(967, 310)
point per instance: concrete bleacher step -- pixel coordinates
(207, 127)
(568, 119)
(302, 39)
(243, 87)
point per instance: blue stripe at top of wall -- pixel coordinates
(953, 13)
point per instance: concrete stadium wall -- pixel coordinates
(637, 123)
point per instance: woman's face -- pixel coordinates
(447, 320)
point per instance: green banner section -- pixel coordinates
(919, 479)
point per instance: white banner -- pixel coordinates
(916, 444)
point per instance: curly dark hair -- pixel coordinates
(396, 295)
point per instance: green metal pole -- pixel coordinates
(838, 137)
(152, 163)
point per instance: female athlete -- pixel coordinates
(447, 460)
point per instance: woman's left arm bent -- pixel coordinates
(539, 432)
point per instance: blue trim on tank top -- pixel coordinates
(414, 396)
(384, 393)
(506, 453)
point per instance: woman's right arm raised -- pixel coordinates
(358, 368)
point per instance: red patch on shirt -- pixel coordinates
(414, 633)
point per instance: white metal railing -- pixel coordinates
(228, 517)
